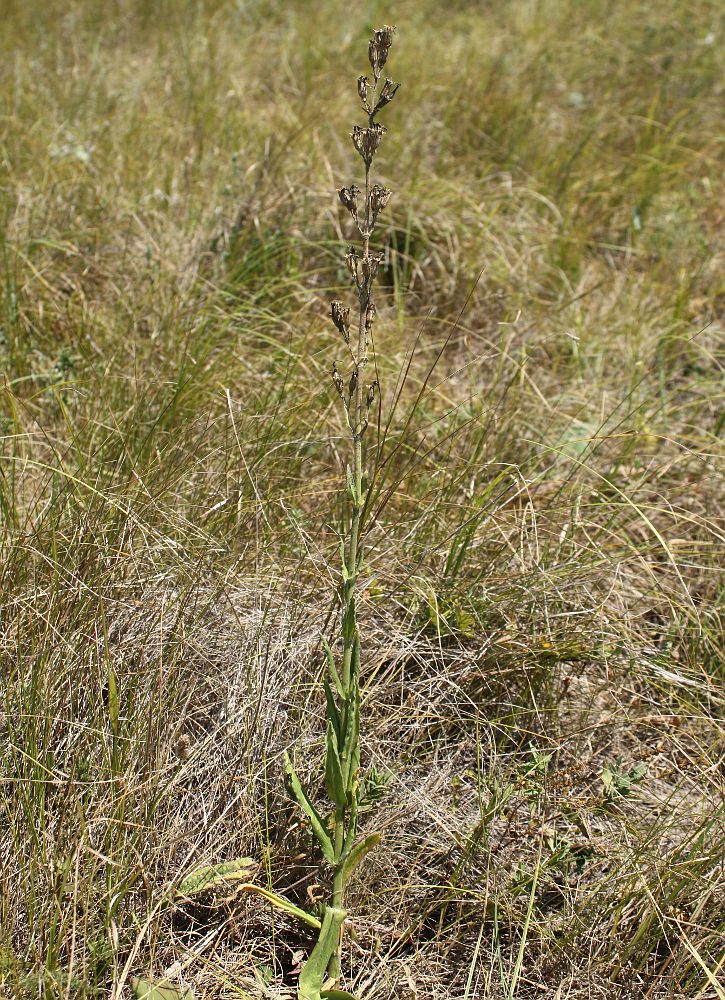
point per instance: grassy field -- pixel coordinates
(543, 608)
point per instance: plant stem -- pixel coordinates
(343, 703)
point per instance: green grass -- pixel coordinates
(545, 565)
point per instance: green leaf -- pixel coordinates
(312, 814)
(144, 990)
(351, 748)
(283, 904)
(332, 668)
(315, 969)
(638, 772)
(332, 713)
(337, 995)
(352, 818)
(213, 875)
(357, 854)
(333, 774)
(205, 878)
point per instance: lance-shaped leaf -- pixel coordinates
(332, 668)
(332, 712)
(282, 904)
(142, 989)
(357, 854)
(343, 563)
(334, 782)
(351, 747)
(315, 969)
(236, 872)
(312, 814)
(352, 818)
(337, 995)
(213, 875)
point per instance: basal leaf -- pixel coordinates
(143, 989)
(213, 875)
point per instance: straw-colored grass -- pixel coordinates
(543, 604)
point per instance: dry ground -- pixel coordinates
(544, 604)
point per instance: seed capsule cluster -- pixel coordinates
(364, 206)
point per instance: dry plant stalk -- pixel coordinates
(340, 845)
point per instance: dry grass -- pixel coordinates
(544, 600)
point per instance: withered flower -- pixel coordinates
(370, 268)
(379, 198)
(371, 390)
(367, 140)
(337, 380)
(363, 89)
(387, 93)
(341, 318)
(378, 49)
(349, 196)
(370, 314)
(352, 262)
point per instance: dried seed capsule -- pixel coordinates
(370, 314)
(378, 49)
(383, 37)
(352, 384)
(370, 269)
(341, 318)
(352, 261)
(367, 140)
(349, 196)
(337, 380)
(386, 95)
(379, 198)
(371, 390)
(363, 89)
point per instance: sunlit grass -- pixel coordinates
(545, 555)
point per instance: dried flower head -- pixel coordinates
(352, 262)
(378, 49)
(367, 140)
(349, 196)
(370, 396)
(387, 93)
(370, 314)
(341, 318)
(363, 89)
(379, 198)
(337, 380)
(370, 268)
